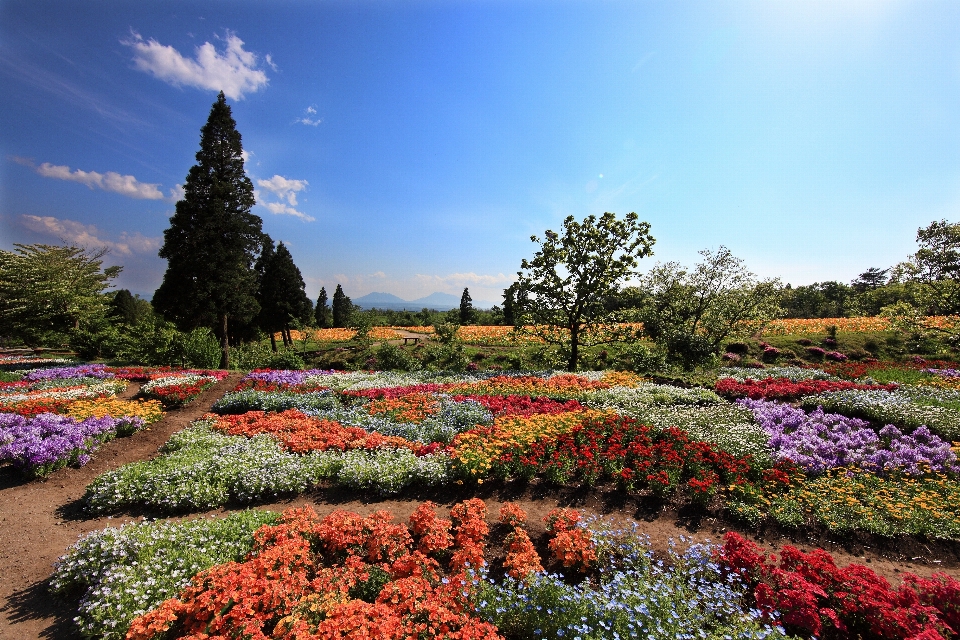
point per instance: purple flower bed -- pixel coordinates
(945, 373)
(79, 371)
(290, 377)
(40, 445)
(819, 441)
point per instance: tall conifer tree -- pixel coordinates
(282, 296)
(466, 307)
(322, 313)
(342, 306)
(213, 238)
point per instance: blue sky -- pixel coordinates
(413, 147)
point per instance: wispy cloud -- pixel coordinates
(112, 181)
(281, 208)
(309, 117)
(458, 280)
(235, 71)
(284, 188)
(87, 235)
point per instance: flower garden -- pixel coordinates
(798, 448)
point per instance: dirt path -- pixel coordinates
(40, 519)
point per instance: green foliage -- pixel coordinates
(690, 314)
(282, 293)
(447, 354)
(213, 238)
(47, 291)
(321, 314)
(393, 358)
(466, 315)
(129, 309)
(342, 308)
(561, 291)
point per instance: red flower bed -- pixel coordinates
(816, 597)
(522, 405)
(617, 448)
(341, 577)
(301, 433)
(787, 390)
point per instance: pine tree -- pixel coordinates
(342, 306)
(213, 238)
(322, 312)
(466, 307)
(282, 295)
(510, 305)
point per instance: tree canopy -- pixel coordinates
(282, 294)
(466, 307)
(322, 312)
(690, 313)
(47, 291)
(213, 238)
(564, 286)
(342, 308)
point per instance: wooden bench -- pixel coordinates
(408, 340)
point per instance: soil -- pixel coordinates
(39, 519)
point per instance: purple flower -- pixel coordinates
(819, 441)
(944, 373)
(49, 441)
(288, 377)
(79, 371)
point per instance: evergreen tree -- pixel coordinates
(322, 312)
(282, 296)
(466, 307)
(213, 238)
(342, 306)
(510, 305)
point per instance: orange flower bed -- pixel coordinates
(301, 433)
(415, 407)
(300, 582)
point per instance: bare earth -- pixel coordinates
(40, 519)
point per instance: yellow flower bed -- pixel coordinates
(149, 410)
(851, 499)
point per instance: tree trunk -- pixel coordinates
(574, 349)
(273, 341)
(224, 344)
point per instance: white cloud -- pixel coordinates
(465, 279)
(307, 120)
(110, 181)
(176, 193)
(279, 208)
(284, 188)
(234, 71)
(77, 233)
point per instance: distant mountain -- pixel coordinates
(438, 301)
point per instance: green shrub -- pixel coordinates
(392, 358)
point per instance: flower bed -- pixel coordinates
(819, 441)
(815, 597)
(614, 448)
(296, 575)
(787, 390)
(898, 409)
(181, 388)
(40, 445)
